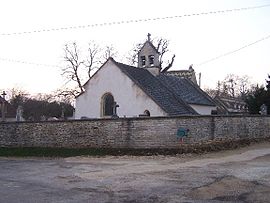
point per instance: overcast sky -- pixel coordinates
(194, 39)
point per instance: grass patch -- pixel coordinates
(69, 152)
(49, 152)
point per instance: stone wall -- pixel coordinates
(158, 132)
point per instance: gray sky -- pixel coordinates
(194, 39)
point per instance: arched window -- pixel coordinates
(107, 102)
(151, 60)
(146, 112)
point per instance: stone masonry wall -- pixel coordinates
(158, 132)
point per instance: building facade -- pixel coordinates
(120, 90)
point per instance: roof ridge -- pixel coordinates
(124, 64)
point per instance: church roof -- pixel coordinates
(151, 45)
(186, 90)
(156, 88)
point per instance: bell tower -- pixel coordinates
(148, 57)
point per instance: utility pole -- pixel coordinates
(3, 106)
(200, 78)
(62, 112)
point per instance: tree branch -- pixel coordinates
(169, 65)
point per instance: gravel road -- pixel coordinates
(241, 175)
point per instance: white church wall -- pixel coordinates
(203, 110)
(132, 100)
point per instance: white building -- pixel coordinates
(118, 89)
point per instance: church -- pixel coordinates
(119, 90)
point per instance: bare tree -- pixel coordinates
(92, 58)
(74, 63)
(230, 82)
(220, 90)
(66, 95)
(244, 85)
(44, 97)
(211, 92)
(162, 47)
(109, 51)
(169, 65)
(79, 66)
(268, 83)
(133, 56)
(232, 86)
(237, 86)
(17, 91)
(96, 56)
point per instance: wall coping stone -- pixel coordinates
(140, 118)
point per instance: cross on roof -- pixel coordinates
(149, 37)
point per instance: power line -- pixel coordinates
(200, 64)
(27, 62)
(134, 21)
(233, 51)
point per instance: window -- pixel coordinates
(146, 113)
(143, 61)
(107, 102)
(151, 60)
